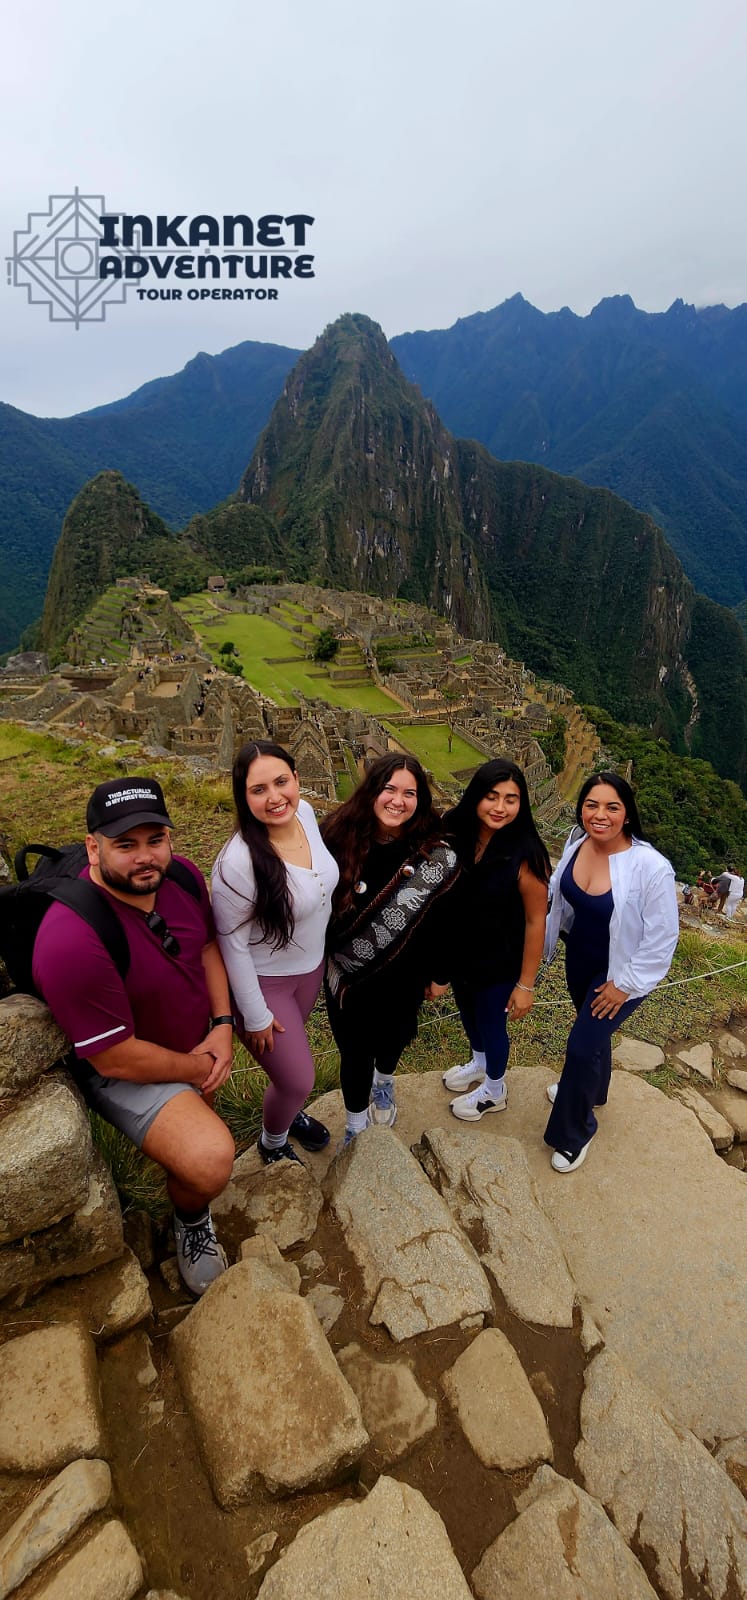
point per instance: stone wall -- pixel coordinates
(59, 1212)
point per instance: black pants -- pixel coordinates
(368, 1035)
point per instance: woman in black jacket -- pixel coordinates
(386, 940)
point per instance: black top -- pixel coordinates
(488, 944)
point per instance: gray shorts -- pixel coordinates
(131, 1107)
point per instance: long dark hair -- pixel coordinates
(273, 907)
(632, 823)
(350, 831)
(519, 838)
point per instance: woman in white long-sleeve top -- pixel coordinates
(614, 904)
(272, 889)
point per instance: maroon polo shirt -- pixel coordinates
(163, 999)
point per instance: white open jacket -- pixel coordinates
(644, 926)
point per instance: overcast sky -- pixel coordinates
(451, 155)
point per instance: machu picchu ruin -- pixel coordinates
(169, 679)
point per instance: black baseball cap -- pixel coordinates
(124, 803)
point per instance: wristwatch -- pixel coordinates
(215, 1022)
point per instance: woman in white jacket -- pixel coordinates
(614, 903)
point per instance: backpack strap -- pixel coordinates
(19, 859)
(84, 898)
(185, 879)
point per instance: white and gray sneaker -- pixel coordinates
(199, 1256)
(552, 1092)
(382, 1107)
(471, 1107)
(462, 1077)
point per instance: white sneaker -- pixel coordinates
(462, 1077)
(563, 1161)
(552, 1092)
(471, 1107)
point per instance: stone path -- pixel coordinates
(373, 1398)
(653, 1228)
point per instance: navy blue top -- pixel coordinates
(590, 934)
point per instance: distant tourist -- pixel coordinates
(152, 1047)
(615, 904)
(707, 891)
(723, 885)
(736, 892)
(272, 894)
(385, 940)
(501, 906)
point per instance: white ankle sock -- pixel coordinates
(273, 1141)
(356, 1121)
(382, 1077)
(494, 1088)
(479, 1059)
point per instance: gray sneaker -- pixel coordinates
(382, 1107)
(199, 1256)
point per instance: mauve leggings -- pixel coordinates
(290, 1064)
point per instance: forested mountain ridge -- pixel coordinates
(650, 405)
(184, 440)
(355, 481)
(109, 532)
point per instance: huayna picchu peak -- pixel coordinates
(369, 490)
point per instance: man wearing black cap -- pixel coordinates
(151, 1047)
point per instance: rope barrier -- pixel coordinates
(550, 1005)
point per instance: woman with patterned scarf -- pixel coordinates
(386, 941)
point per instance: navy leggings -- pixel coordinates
(483, 1014)
(586, 1073)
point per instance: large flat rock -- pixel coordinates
(269, 1402)
(419, 1269)
(496, 1405)
(561, 1544)
(660, 1485)
(391, 1546)
(49, 1400)
(732, 1104)
(89, 1237)
(653, 1226)
(45, 1158)
(61, 1507)
(699, 1058)
(108, 1301)
(282, 1200)
(519, 1246)
(635, 1055)
(30, 1041)
(107, 1568)
(396, 1412)
(720, 1132)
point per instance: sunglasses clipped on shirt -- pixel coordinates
(169, 942)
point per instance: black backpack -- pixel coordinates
(57, 877)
